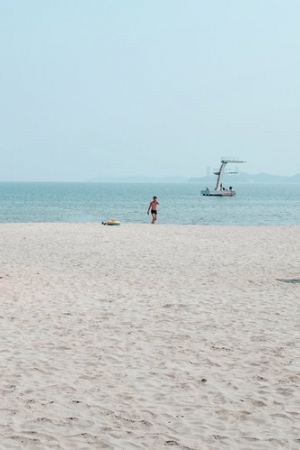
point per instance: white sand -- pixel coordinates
(149, 337)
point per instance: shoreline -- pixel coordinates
(145, 224)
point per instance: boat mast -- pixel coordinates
(224, 161)
(220, 173)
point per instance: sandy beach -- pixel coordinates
(149, 337)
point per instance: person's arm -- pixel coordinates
(149, 209)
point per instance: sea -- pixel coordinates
(255, 204)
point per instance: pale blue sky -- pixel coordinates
(147, 87)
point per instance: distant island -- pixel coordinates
(171, 179)
(241, 177)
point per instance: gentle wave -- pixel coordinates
(180, 203)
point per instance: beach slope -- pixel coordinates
(142, 336)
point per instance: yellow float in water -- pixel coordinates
(113, 222)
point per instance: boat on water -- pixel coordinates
(219, 190)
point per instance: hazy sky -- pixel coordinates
(147, 87)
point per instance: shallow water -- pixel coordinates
(180, 203)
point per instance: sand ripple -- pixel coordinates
(149, 337)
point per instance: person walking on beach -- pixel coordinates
(153, 206)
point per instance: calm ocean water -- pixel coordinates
(180, 203)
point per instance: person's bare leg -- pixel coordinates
(153, 218)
